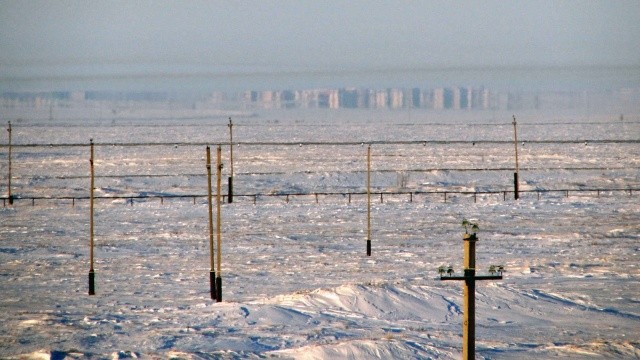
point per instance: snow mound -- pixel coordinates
(367, 349)
(384, 301)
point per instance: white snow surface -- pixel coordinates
(296, 280)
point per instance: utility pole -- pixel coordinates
(9, 179)
(369, 200)
(92, 289)
(231, 160)
(212, 273)
(218, 222)
(469, 293)
(515, 174)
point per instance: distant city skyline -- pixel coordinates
(85, 45)
(439, 98)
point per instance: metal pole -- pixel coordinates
(9, 185)
(92, 290)
(212, 272)
(231, 160)
(515, 174)
(369, 200)
(469, 296)
(219, 245)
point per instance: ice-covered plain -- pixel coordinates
(296, 280)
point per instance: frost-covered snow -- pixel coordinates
(296, 281)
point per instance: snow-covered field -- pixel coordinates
(296, 280)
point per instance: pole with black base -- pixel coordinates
(212, 272)
(219, 247)
(213, 289)
(92, 283)
(231, 161)
(469, 293)
(369, 200)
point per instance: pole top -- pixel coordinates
(91, 141)
(514, 120)
(470, 237)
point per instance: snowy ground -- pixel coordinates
(296, 281)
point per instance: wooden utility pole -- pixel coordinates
(369, 200)
(231, 160)
(218, 222)
(212, 272)
(9, 179)
(469, 294)
(92, 290)
(515, 174)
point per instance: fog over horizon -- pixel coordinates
(171, 46)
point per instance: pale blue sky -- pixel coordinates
(41, 38)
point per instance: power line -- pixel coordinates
(309, 172)
(334, 143)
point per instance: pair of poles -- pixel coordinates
(215, 282)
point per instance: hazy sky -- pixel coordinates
(50, 38)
